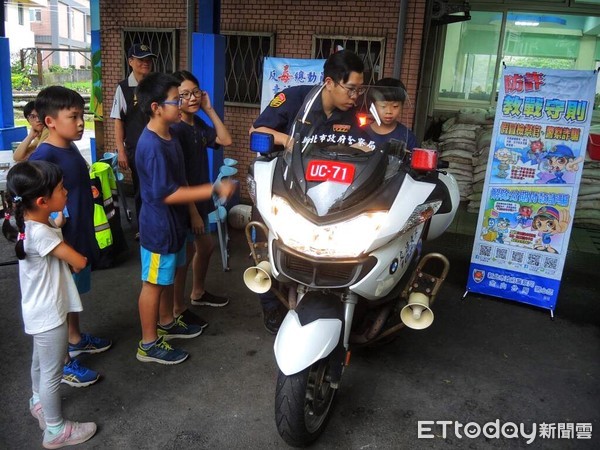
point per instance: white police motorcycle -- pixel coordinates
(342, 229)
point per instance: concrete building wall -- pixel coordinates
(63, 20)
(78, 31)
(19, 36)
(43, 28)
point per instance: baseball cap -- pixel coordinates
(140, 51)
(560, 150)
(549, 211)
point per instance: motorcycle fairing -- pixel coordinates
(370, 170)
(309, 333)
(412, 194)
(263, 170)
(442, 219)
(380, 281)
(379, 200)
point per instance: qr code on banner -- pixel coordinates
(551, 263)
(501, 253)
(517, 257)
(534, 260)
(485, 250)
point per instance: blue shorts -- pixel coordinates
(83, 279)
(160, 269)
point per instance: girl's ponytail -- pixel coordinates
(20, 221)
(15, 235)
(8, 230)
(27, 181)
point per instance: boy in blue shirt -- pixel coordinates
(389, 102)
(61, 110)
(163, 219)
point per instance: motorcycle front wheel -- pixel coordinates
(302, 404)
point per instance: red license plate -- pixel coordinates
(330, 171)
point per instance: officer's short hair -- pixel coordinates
(339, 65)
(154, 87)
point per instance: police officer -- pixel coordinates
(335, 113)
(129, 120)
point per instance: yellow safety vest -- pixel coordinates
(103, 212)
(102, 227)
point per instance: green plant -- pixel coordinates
(20, 81)
(55, 68)
(79, 86)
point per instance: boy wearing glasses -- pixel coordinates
(163, 219)
(342, 86)
(37, 133)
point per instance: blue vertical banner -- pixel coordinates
(282, 73)
(532, 180)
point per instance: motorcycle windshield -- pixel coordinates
(337, 157)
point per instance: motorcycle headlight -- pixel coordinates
(347, 239)
(251, 183)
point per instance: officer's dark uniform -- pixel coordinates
(284, 107)
(280, 116)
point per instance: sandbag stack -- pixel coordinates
(460, 143)
(587, 212)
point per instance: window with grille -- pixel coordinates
(162, 42)
(370, 49)
(244, 56)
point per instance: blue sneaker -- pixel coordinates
(78, 376)
(89, 344)
(179, 330)
(161, 352)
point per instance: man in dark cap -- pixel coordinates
(129, 120)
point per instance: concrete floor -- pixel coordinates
(482, 360)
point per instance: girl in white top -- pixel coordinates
(35, 189)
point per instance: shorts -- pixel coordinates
(83, 280)
(160, 269)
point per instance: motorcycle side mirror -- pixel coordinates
(261, 142)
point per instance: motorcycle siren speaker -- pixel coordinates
(417, 314)
(240, 216)
(258, 278)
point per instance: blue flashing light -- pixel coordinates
(261, 142)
